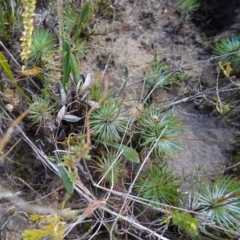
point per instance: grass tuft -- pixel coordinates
(42, 45)
(158, 184)
(161, 131)
(109, 121)
(225, 47)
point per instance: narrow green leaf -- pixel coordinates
(129, 153)
(74, 68)
(5, 66)
(122, 90)
(2, 24)
(20, 90)
(66, 63)
(83, 17)
(126, 73)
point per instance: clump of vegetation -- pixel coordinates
(160, 130)
(158, 74)
(188, 7)
(218, 203)
(110, 169)
(41, 111)
(185, 221)
(158, 184)
(228, 49)
(42, 45)
(51, 226)
(109, 121)
(92, 134)
(9, 19)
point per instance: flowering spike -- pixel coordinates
(28, 14)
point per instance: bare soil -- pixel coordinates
(184, 48)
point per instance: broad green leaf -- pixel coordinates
(5, 66)
(66, 63)
(129, 153)
(83, 17)
(74, 68)
(7, 69)
(67, 179)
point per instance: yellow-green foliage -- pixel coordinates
(185, 222)
(52, 226)
(52, 62)
(28, 14)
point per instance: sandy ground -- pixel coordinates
(154, 31)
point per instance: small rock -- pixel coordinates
(156, 6)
